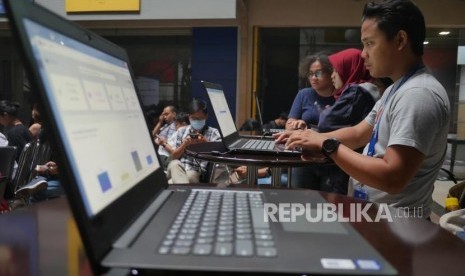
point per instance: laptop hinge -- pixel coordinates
(132, 232)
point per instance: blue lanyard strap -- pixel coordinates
(374, 135)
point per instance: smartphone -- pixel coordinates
(194, 135)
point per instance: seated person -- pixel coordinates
(250, 125)
(45, 185)
(278, 123)
(352, 104)
(165, 124)
(34, 128)
(49, 171)
(164, 129)
(184, 168)
(180, 120)
(18, 135)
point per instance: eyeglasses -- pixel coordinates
(318, 74)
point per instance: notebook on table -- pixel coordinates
(232, 140)
(127, 214)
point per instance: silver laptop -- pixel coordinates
(127, 215)
(232, 140)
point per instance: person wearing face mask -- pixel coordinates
(184, 168)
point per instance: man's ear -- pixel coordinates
(402, 40)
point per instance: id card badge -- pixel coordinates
(360, 192)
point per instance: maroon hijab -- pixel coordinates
(350, 67)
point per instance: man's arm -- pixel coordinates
(353, 137)
(158, 126)
(390, 173)
(179, 151)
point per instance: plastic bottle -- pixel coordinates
(452, 204)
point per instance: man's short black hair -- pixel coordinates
(172, 108)
(197, 105)
(395, 15)
(181, 117)
(9, 107)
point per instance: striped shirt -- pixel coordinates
(190, 163)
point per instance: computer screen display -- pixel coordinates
(97, 112)
(222, 112)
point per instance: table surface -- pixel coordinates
(216, 152)
(42, 240)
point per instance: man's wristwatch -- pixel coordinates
(330, 146)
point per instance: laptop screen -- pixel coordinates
(222, 112)
(100, 120)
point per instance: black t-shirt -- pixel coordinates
(18, 136)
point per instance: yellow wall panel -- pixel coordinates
(102, 5)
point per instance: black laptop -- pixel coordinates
(127, 215)
(266, 131)
(231, 138)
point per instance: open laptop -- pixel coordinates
(232, 140)
(127, 215)
(266, 131)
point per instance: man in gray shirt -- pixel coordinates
(406, 132)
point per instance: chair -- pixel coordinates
(24, 165)
(30, 157)
(7, 162)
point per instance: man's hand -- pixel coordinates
(198, 139)
(308, 140)
(50, 167)
(281, 137)
(160, 141)
(241, 171)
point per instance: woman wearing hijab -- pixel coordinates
(352, 104)
(353, 100)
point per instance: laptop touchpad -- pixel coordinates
(315, 221)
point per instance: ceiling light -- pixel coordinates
(425, 42)
(444, 33)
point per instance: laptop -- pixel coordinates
(266, 131)
(231, 138)
(127, 215)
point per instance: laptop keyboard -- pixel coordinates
(221, 223)
(259, 144)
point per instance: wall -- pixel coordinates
(214, 59)
(259, 13)
(156, 9)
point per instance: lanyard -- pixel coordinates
(374, 136)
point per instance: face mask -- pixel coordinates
(197, 124)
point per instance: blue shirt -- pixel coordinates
(308, 104)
